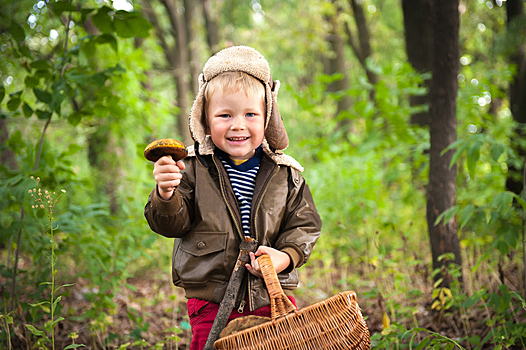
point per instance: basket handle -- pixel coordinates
(280, 304)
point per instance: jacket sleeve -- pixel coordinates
(301, 227)
(172, 218)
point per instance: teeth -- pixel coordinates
(238, 138)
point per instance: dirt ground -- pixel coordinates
(156, 313)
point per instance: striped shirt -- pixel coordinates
(243, 180)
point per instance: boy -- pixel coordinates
(236, 182)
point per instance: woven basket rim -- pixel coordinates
(349, 296)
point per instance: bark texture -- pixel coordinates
(419, 47)
(336, 65)
(517, 94)
(443, 94)
(177, 60)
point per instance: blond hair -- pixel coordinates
(230, 83)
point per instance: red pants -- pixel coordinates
(203, 313)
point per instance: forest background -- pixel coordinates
(408, 117)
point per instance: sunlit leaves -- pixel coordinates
(62, 6)
(103, 20)
(17, 32)
(125, 24)
(107, 39)
(130, 24)
(40, 64)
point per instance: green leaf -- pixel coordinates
(43, 73)
(43, 96)
(75, 118)
(68, 284)
(462, 146)
(40, 64)
(472, 300)
(502, 202)
(56, 321)
(60, 92)
(62, 6)
(84, 13)
(73, 346)
(103, 20)
(43, 114)
(28, 111)
(466, 214)
(496, 151)
(447, 215)
(39, 304)
(107, 39)
(57, 300)
(31, 81)
(17, 32)
(37, 332)
(13, 104)
(473, 157)
(25, 51)
(129, 24)
(2, 93)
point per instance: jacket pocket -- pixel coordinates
(200, 258)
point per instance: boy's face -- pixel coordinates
(237, 123)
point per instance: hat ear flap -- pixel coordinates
(275, 133)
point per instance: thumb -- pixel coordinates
(181, 164)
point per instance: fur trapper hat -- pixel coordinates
(250, 61)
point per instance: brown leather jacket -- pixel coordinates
(204, 218)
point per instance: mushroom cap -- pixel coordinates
(165, 147)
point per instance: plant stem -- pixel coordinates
(37, 160)
(15, 268)
(523, 226)
(52, 281)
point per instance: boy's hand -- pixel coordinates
(279, 259)
(167, 174)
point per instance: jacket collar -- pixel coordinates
(280, 158)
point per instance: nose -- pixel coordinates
(238, 123)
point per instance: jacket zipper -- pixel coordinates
(255, 228)
(226, 202)
(242, 304)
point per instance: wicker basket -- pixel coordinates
(334, 323)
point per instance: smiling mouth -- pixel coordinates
(237, 138)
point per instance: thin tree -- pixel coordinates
(176, 58)
(335, 64)
(517, 90)
(419, 47)
(441, 190)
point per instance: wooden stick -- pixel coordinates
(227, 304)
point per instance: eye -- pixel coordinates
(223, 116)
(251, 114)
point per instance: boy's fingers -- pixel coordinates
(165, 160)
(180, 164)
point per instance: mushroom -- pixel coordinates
(165, 147)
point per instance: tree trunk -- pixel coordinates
(193, 54)
(362, 49)
(212, 26)
(517, 95)
(442, 129)
(419, 46)
(337, 65)
(179, 60)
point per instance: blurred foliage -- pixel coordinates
(88, 79)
